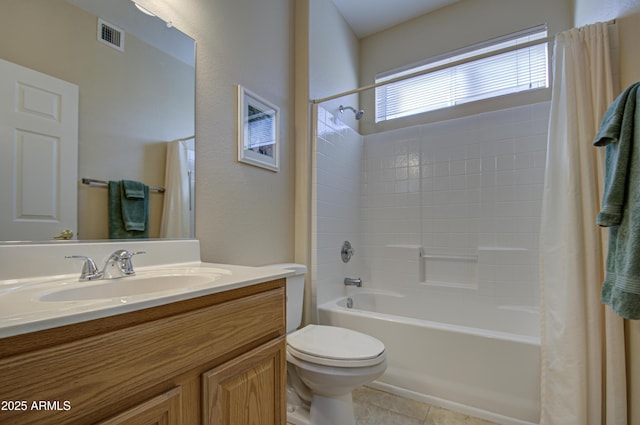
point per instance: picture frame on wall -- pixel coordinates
(258, 131)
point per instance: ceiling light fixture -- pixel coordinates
(142, 9)
(147, 12)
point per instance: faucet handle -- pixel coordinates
(346, 252)
(127, 265)
(89, 268)
(120, 261)
(123, 254)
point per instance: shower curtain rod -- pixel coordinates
(440, 67)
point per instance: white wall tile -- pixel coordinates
(451, 186)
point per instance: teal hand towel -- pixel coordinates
(620, 134)
(134, 202)
(133, 189)
(125, 216)
(616, 133)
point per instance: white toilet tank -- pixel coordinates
(295, 293)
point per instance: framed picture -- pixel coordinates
(258, 131)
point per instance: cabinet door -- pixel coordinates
(164, 409)
(248, 390)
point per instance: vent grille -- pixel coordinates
(110, 35)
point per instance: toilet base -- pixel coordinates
(323, 411)
(332, 410)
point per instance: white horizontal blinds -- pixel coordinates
(514, 71)
(260, 127)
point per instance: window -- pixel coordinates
(514, 71)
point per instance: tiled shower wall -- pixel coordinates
(336, 206)
(465, 192)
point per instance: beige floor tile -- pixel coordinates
(374, 407)
(391, 402)
(440, 416)
(370, 414)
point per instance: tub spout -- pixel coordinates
(348, 281)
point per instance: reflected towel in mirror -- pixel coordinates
(128, 210)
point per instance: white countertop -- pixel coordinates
(22, 309)
(26, 303)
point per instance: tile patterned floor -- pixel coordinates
(373, 407)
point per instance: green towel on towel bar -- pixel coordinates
(128, 210)
(620, 134)
(134, 190)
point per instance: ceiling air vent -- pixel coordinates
(110, 35)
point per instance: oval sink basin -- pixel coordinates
(129, 286)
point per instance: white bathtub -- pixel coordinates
(456, 353)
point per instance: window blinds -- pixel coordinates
(514, 71)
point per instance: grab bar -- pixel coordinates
(449, 257)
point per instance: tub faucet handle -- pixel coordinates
(346, 252)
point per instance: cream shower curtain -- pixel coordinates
(583, 363)
(176, 213)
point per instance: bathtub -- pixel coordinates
(475, 358)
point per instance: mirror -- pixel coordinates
(135, 95)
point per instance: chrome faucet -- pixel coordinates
(89, 269)
(119, 264)
(348, 281)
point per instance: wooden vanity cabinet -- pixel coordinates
(212, 360)
(164, 409)
(240, 391)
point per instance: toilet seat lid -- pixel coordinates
(334, 343)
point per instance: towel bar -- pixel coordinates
(94, 182)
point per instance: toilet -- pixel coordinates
(324, 363)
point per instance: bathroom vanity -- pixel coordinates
(211, 356)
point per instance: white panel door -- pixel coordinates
(38, 154)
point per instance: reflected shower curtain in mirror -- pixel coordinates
(583, 360)
(176, 214)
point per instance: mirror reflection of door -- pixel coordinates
(38, 154)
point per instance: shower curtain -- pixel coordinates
(583, 365)
(176, 213)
